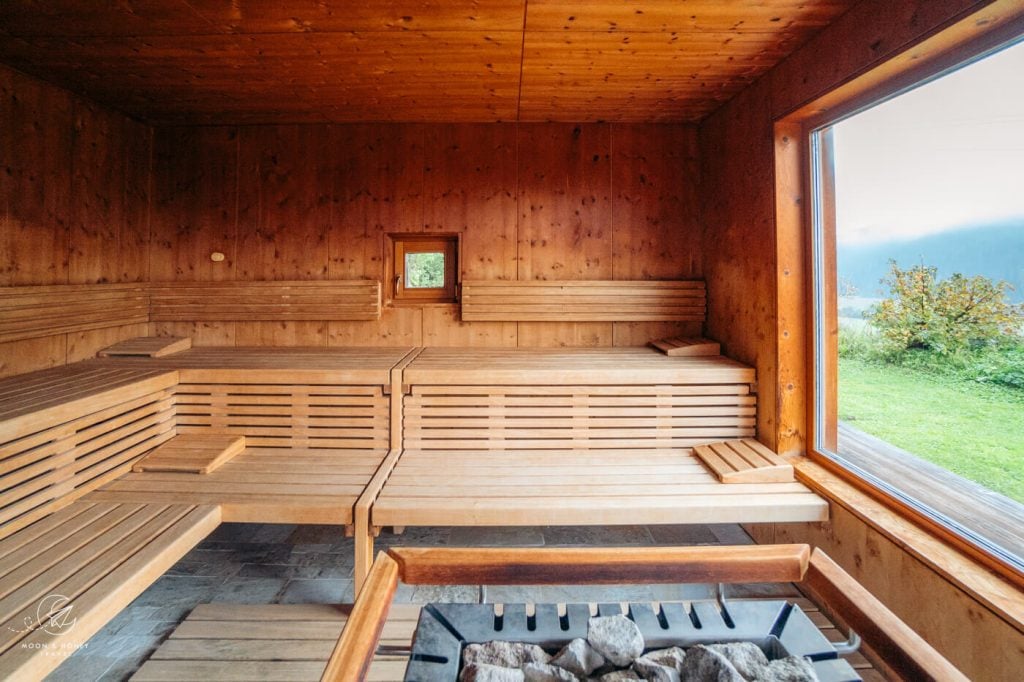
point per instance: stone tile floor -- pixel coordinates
(286, 564)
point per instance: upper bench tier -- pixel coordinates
(568, 366)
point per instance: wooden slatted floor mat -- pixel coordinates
(239, 643)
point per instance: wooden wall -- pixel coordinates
(74, 206)
(741, 266)
(533, 201)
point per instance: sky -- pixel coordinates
(947, 155)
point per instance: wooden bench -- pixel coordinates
(569, 437)
(317, 425)
(67, 562)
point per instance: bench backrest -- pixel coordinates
(575, 416)
(67, 431)
(334, 416)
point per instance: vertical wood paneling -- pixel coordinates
(109, 207)
(284, 203)
(74, 206)
(532, 201)
(442, 327)
(396, 327)
(195, 191)
(35, 139)
(378, 189)
(470, 187)
(655, 171)
(565, 201)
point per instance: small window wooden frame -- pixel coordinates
(399, 245)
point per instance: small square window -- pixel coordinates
(423, 268)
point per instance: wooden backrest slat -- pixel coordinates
(573, 417)
(582, 301)
(287, 415)
(303, 300)
(36, 311)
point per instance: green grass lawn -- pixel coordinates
(974, 430)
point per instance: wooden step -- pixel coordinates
(192, 453)
(147, 347)
(744, 461)
(694, 346)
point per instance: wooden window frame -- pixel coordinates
(807, 418)
(398, 245)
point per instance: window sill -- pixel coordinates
(1001, 594)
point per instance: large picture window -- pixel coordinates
(918, 207)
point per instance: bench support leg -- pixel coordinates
(364, 537)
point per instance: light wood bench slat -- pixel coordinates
(36, 311)
(580, 301)
(270, 301)
(101, 577)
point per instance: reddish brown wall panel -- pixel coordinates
(74, 205)
(532, 201)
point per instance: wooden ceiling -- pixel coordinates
(266, 61)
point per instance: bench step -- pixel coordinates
(192, 453)
(744, 461)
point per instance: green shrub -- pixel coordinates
(945, 316)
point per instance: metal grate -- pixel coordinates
(780, 628)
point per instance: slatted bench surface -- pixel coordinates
(503, 488)
(551, 366)
(349, 365)
(244, 642)
(40, 399)
(262, 485)
(92, 557)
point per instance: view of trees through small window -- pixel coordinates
(929, 215)
(424, 270)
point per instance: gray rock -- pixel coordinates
(704, 665)
(791, 669)
(672, 657)
(483, 672)
(578, 657)
(617, 675)
(746, 657)
(655, 672)
(617, 638)
(542, 672)
(507, 654)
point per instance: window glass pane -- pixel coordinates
(424, 270)
(928, 212)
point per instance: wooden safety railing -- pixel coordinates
(900, 648)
